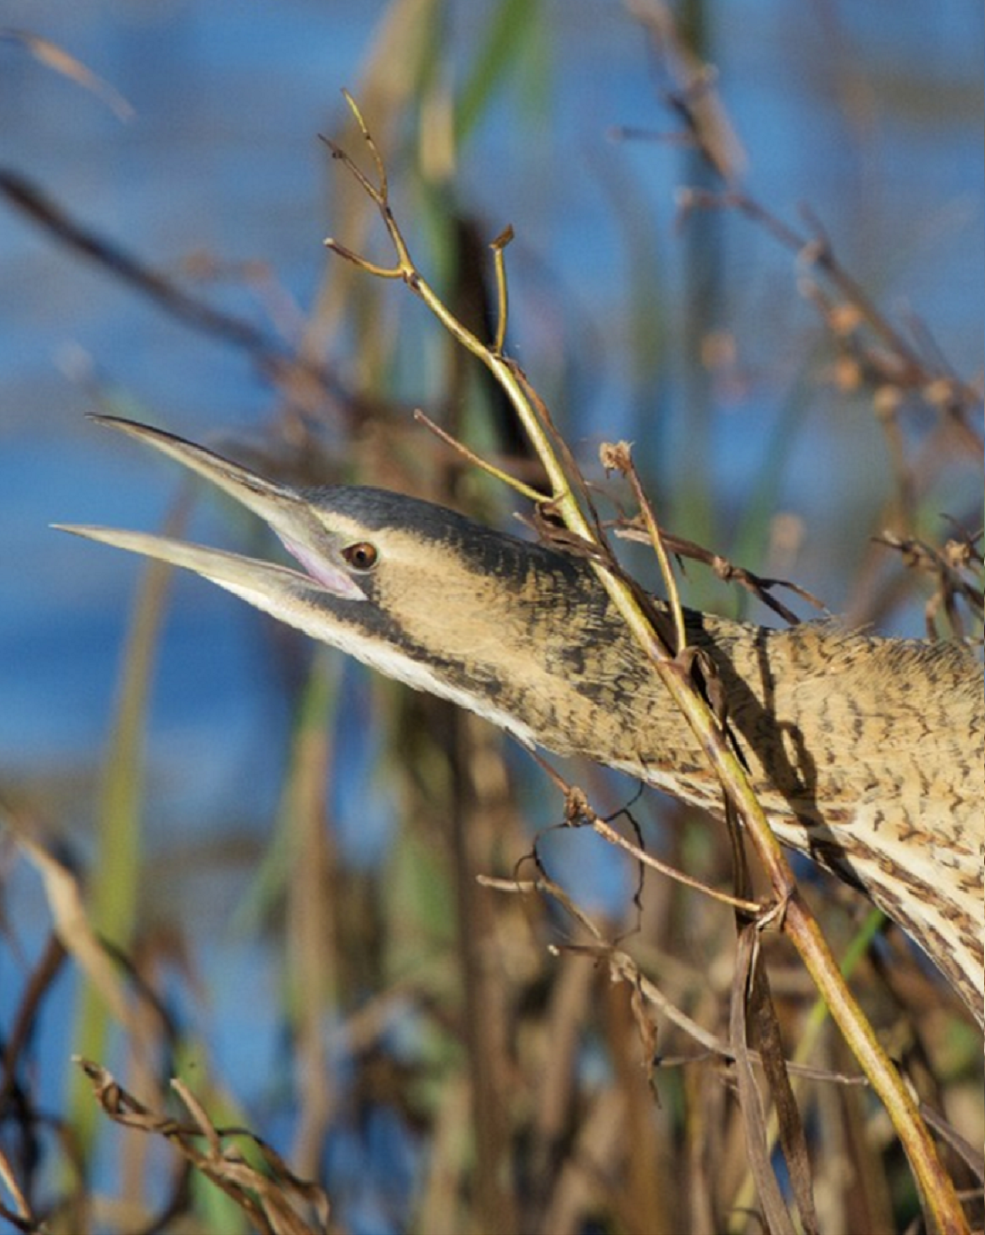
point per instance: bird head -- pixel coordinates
(410, 588)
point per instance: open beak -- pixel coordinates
(278, 590)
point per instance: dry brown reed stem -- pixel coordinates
(788, 911)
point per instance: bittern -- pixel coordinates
(866, 753)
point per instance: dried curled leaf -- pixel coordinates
(274, 1199)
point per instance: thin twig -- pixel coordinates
(484, 465)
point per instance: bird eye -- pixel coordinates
(361, 556)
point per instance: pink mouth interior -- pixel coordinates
(330, 577)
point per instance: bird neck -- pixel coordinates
(866, 754)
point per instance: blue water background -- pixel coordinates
(222, 154)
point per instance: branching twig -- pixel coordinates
(896, 362)
(579, 813)
(728, 572)
(948, 567)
